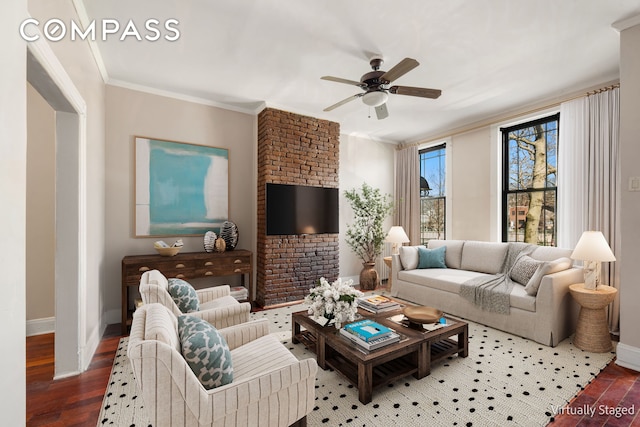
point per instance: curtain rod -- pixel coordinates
(505, 118)
(603, 89)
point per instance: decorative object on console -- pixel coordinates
(229, 232)
(592, 248)
(210, 241)
(165, 250)
(334, 301)
(397, 237)
(220, 245)
(197, 178)
(366, 236)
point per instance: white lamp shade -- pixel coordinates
(397, 235)
(375, 98)
(592, 246)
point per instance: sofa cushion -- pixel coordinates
(453, 256)
(547, 267)
(260, 355)
(184, 295)
(523, 269)
(409, 257)
(205, 351)
(483, 257)
(431, 258)
(224, 301)
(444, 279)
(520, 299)
(550, 253)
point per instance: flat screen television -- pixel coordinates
(299, 209)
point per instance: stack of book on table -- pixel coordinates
(377, 303)
(239, 292)
(369, 334)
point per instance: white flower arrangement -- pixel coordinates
(335, 301)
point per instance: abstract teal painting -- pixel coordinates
(181, 189)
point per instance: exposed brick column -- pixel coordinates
(302, 150)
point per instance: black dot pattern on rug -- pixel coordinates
(504, 380)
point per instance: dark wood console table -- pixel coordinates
(189, 265)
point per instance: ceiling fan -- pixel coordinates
(375, 86)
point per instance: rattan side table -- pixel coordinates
(592, 331)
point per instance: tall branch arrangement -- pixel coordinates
(366, 235)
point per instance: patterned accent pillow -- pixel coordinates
(205, 351)
(184, 295)
(431, 258)
(547, 267)
(523, 269)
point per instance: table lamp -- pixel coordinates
(592, 248)
(397, 237)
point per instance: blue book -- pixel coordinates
(367, 329)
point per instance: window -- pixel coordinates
(529, 183)
(432, 193)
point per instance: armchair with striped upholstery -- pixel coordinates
(217, 306)
(270, 386)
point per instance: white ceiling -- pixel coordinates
(487, 56)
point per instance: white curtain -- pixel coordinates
(589, 178)
(407, 192)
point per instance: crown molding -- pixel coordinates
(626, 23)
(183, 97)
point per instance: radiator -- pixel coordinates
(383, 271)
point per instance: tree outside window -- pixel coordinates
(432, 193)
(529, 181)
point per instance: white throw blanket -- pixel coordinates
(492, 292)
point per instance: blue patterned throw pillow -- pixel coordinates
(184, 295)
(205, 351)
(431, 258)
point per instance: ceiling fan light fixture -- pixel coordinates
(375, 98)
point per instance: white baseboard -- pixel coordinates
(628, 356)
(45, 325)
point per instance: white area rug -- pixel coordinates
(506, 380)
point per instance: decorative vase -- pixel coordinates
(210, 241)
(220, 245)
(369, 277)
(229, 232)
(330, 318)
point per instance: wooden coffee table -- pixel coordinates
(367, 370)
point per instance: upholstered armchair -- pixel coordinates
(270, 386)
(216, 305)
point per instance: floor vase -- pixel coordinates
(369, 277)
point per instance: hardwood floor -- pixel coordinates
(73, 401)
(615, 387)
(76, 401)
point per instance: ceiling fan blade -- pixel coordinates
(401, 68)
(344, 101)
(341, 80)
(382, 112)
(415, 91)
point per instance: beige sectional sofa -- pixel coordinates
(546, 316)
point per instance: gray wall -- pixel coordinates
(132, 113)
(41, 149)
(629, 347)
